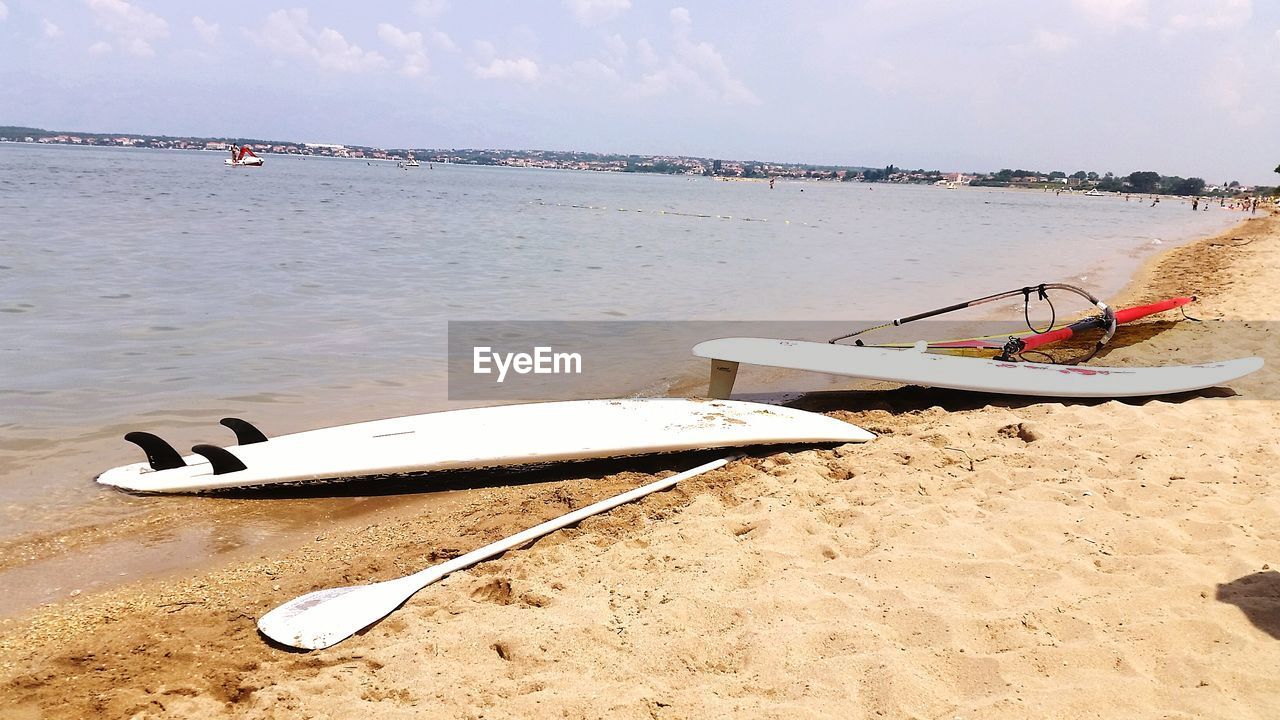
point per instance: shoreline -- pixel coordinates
(151, 533)
(57, 457)
(49, 656)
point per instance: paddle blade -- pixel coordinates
(324, 618)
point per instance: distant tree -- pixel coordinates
(1188, 186)
(1144, 181)
(1057, 175)
(848, 175)
(1093, 176)
(1004, 175)
(715, 167)
(1079, 175)
(1110, 183)
(881, 175)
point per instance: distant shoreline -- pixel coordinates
(1144, 182)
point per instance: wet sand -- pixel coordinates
(984, 557)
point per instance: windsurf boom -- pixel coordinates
(1106, 320)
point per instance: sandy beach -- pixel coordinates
(982, 558)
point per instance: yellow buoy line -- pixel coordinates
(667, 212)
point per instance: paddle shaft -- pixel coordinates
(462, 562)
(324, 618)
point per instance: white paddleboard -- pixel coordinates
(913, 367)
(504, 436)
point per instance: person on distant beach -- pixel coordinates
(1195, 204)
(1255, 207)
(1155, 201)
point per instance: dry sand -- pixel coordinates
(982, 558)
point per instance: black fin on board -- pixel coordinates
(246, 433)
(160, 454)
(222, 460)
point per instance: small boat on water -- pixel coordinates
(245, 158)
(410, 163)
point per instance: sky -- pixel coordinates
(1182, 87)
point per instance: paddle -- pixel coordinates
(325, 618)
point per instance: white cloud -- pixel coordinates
(591, 12)
(442, 41)
(1052, 42)
(698, 66)
(100, 48)
(646, 53)
(882, 75)
(4, 11)
(681, 19)
(410, 45)
(50, 30)
(616, 46)
(590, 70)
(208, 31)
(1114, 15)
(430, 8)
(1230, 86)
(484, 51)
(707, 61)
(134, 28)
(1209, 15)
(289, 33)
(522, 69)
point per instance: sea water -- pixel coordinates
(162, 290)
